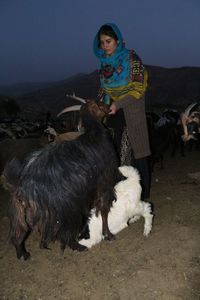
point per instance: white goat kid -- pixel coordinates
(127, 209)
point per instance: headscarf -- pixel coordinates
(121, 73)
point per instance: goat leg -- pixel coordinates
(104, 208)
(18, 240)
(105, 229)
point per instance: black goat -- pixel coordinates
(57, 186)
(162, 134)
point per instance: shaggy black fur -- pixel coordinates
(57, 186)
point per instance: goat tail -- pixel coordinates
(12, 172)
(130, 172)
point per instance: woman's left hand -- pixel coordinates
(113, 109)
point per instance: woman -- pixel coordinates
(123, 81)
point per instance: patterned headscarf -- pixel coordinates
(121, 73)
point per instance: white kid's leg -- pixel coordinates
(148, 218)
(133, 219)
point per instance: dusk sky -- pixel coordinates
(50, 40)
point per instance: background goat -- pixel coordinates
(57, 186)
(190, 120)
(127, 209)
(19, 148)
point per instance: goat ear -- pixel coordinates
(69, 108)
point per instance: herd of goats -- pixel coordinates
(171, 129)
(67, 185)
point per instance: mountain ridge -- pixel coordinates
(167, 87)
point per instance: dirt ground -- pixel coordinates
(164, 266)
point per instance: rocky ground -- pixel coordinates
(164, 266)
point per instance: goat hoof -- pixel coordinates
(81, 248)
(109, 237)
(44, 245)
(24, 256)
(27, 256)
(78, 247)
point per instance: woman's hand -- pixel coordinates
(113, 109)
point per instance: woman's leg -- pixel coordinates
(143, 166)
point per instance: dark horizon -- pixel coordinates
(83, 74)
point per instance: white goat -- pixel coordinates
(127, 209)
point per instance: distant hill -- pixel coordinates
(168, 87)
(20, 89)
(173, 86)
(53, 98)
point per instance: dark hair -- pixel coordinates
(106, 30)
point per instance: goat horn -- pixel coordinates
(69, 108)
(188, 109)
(184, 124)
(76, 98)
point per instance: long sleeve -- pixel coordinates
(126, 101)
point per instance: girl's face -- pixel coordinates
(108, 44)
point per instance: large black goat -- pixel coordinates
(57, 186)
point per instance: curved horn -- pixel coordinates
(69, 108)
(184, 118)
(188, 109)
(76, 98)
